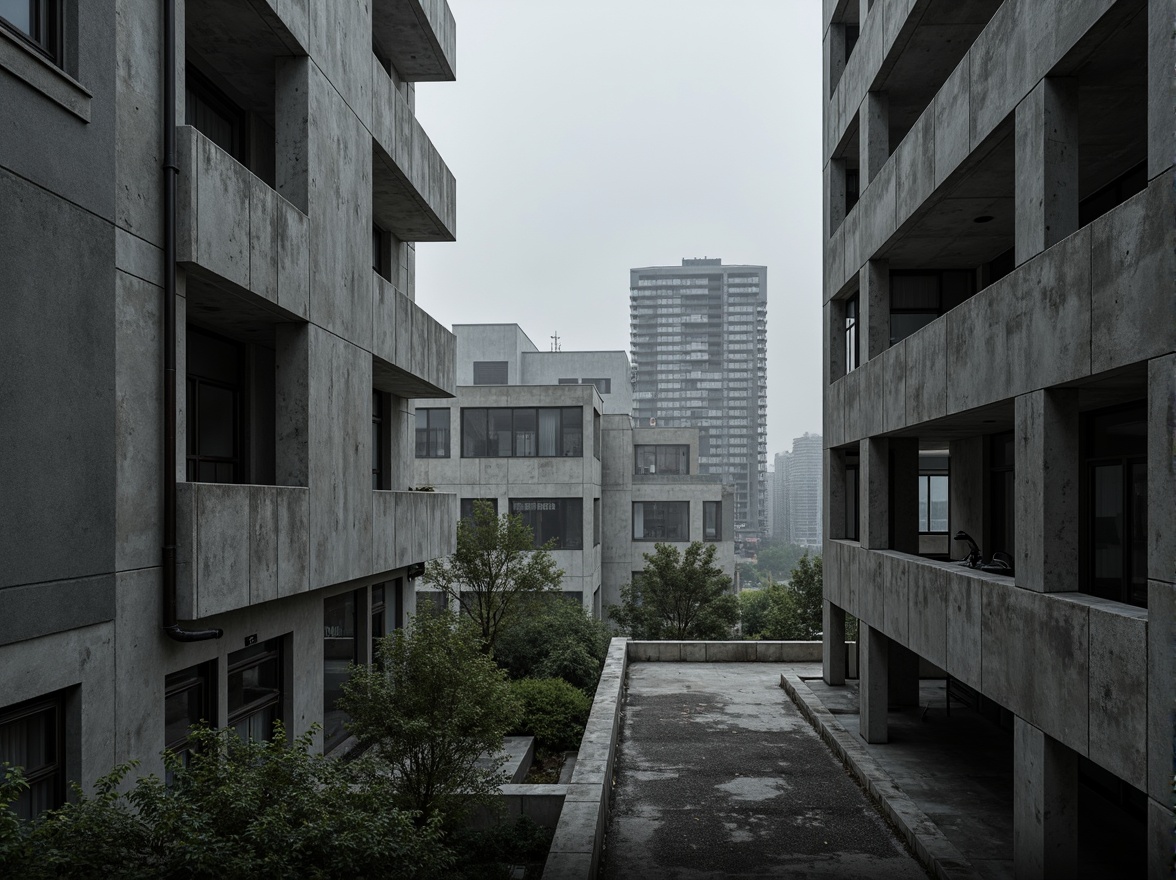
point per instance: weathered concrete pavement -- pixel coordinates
(720, 776)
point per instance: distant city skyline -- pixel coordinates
(583, 148)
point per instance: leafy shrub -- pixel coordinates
(680, 595)
(553, 637)
(432, 707)
(237, 810)
(553, 711)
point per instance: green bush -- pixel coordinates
(554, 712)
(236, 810)
(554, 637)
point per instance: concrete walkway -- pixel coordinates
(719, 775)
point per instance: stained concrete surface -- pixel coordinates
(958, 769)
(718, 775)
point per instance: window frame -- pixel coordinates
(249, 658)
(925, 523)
(684, 518)
(46, 34)
(203, 677)
(717, 508)
(465, 508)
(567, 504)
(490, 427)
(495, 369)
(852, 334)
(680, 451)
(430, 443)
(52, 771)
(193, 383)
(333, 737)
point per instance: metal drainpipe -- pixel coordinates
(170, 172)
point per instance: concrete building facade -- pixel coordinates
(548, 436)
(698, 339)
(209, 214)
(1000, 360)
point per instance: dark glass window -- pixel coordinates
(852, 33)
(569, 381)
(561, 519)
(1115, 501)
(467, 506)
(379, 263)
(256, 690)
(213, 408)
(490, 372)
(379, 617)
(661, 459)
(852, 188)
(526, 432)
(596, 438)
(852, 513)
(712, 520)
(661, 520)
(918, 298)
(188, 700)
(1002, 522)
(595, 522)
(603, 386)
(38, 22)
(432, 433)
(851, 334)
(32, 737)
(377, 440)
(340, 649)
(214, 114)
(933, 504)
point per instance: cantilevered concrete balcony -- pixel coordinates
(414, 355)
(240, 545)
(414, 194)
(412, 527)
(239, 236)
(419, 37)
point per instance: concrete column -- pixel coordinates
(1046, 187)
(904, 494)
(968, 511)
(292, 130)
(1046, 504)
(903, 676)
(1161, 839)
(833, 644)
(873, 135)
(875, 493)
(863, 11)
(1161, 697)
(292, 405)
(1161, 87)
(1045, 805)
(834, 484)
(834, 51)
(874, 308)
(873, 694)
(1161, 468)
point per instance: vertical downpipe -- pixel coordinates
(170, 173)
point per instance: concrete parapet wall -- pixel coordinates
(579, 834)
(725, 652)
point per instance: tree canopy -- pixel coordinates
(432, 706)
(494, 567)
(678, 596)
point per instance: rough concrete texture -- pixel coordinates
(720, 776)
(946, 780)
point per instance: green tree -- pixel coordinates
(432, 707)
(493, 568)
(553, 637)
(775, 559)
(753, 609)
(678, 596)
(236, 810)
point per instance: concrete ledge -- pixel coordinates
(724, 652)
(583, 819)
(542, 804)
(934, 850)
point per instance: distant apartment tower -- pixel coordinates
(802, 490)
(698, 341)
(778, 498)
(1000, 361)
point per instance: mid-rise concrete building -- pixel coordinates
(1000, 360)
(698, 338)
(210, 346)
(548, 435)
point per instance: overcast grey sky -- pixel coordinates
(589, 137)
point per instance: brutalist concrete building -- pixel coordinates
(1000, 329)
(210, 350)
(548, 436)
(698, 337)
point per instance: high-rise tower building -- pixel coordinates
(803, 490)
(698, 338)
